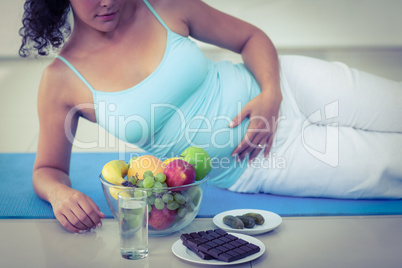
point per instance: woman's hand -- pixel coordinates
(262, 112)
(75, 210)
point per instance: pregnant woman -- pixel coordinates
(285, 125)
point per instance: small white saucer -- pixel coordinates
(272, 220)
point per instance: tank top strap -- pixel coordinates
(156, 14)
(76, 72)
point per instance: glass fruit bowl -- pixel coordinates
(165, 216)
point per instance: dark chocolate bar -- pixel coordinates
(218, 244)
(202, 255)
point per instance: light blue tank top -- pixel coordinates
(187, 101)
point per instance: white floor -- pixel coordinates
(364, 34)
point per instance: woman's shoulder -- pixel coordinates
(55, 83)
(175, 6)
(170, 4)
(176, 13)
(54, 74)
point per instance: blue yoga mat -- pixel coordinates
(18, 200)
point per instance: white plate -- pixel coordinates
(186, 254)
(272, 220)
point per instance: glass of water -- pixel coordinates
(133, 221)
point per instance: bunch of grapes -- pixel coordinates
(150, 181)
(158, 196)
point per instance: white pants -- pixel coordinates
(339, 135)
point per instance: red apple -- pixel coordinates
(161, 219)
(178, 173)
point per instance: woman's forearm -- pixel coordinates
(261, 58)
(74, 210)
(46, 181)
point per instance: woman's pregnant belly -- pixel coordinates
(203, 120)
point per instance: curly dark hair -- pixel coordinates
(45, 25)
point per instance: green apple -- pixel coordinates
(131, 160)
(199, 159)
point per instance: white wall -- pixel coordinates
(289, 23)
(10, 22)
(322, 23)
